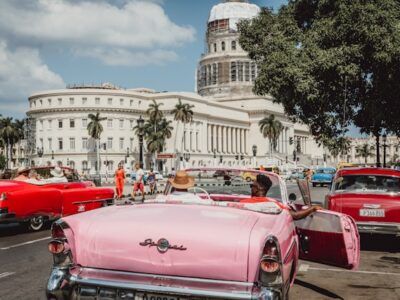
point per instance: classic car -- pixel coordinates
(371, 196)
(206, 243)
(34, 204)
(323, 176)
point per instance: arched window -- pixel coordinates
(223, 46)
(84, 165)
(215, 47)
(233, 45)
(72, 164)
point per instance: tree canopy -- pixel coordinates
(330, 63)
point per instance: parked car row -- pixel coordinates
(35, 202)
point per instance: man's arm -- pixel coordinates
(304, 213)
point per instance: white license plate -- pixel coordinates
(372, 213)
(145, 296)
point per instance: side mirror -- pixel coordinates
(292, 197)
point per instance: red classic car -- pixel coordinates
(34, 204)
(371, 196)
(208, 242)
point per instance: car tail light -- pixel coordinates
(57, 232)
(59, 247)
(56, 247)
(270, 264)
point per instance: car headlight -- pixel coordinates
(3, 196)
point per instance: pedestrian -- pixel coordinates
(152, 180)
(119, 181)
(139, 182)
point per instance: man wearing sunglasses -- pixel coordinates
(259, 190)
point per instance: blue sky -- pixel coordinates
(46, 44)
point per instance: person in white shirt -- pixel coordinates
(57, 176)
(139, 182)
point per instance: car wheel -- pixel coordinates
(314, 184)
(36, 223)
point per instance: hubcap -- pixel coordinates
(36, 223)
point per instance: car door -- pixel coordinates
(327, 237)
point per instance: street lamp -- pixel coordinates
(127, 155)
(384, 139)
(254, 148)
(52, 154)
(140, 124)
(220, 159)
(215, 157)
(40, 152)
(186, 156)
(67, 161)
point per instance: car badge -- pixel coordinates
(162, 245)
(81, 208)
(372, 205)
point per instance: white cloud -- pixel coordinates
(21, 73)
(132, 28)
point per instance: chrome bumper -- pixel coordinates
(85, 283)
(379, 227)
(6, 217)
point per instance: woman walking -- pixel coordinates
(119, 181)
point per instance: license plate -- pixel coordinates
(372, 213)
(141, 296)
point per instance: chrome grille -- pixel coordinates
(104, 293)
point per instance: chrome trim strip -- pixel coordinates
(155, 276)
(163, 289)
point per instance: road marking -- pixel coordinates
(305, 268)
(26, 243)
(6, 274)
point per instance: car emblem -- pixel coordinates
(162, 245)
(81, 208)
(372, 205)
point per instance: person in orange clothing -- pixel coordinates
(119, 181)
(259, 190)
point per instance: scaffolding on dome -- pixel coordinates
(104, 86)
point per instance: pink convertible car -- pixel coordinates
(206, 243)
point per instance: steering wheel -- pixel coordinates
(194, 188)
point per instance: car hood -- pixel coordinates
(211, 242)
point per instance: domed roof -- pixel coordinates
(234, 11)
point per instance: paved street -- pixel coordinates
(25, 265)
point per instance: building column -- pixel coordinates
(223, 139)
(234, 144)
(214, 131)
(229, 135)
(242, 141)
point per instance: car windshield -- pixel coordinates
(232, 185)
(325, 171)
(351, 183)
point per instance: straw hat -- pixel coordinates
(57, 172)
(182, 180)
(21, 170)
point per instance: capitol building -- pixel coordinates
(225, 126)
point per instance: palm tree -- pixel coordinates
(364, 151)
(165, 128)
(337, 146)
(182, 113)
(271, 129)
(153, 112)
(95, 129)
(8, 135)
